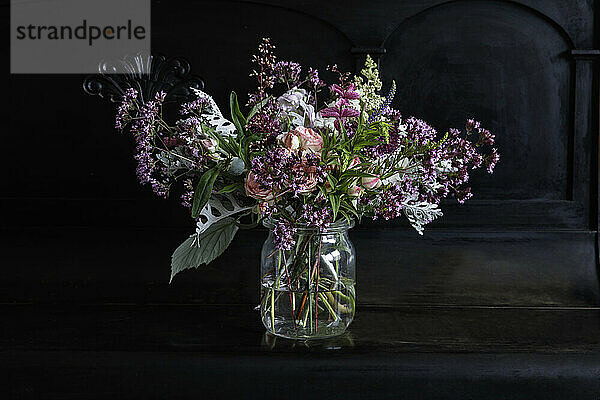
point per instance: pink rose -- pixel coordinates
(304, 139)
(311, 179)
(254, 190)
(371, 182)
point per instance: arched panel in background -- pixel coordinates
(508, 66)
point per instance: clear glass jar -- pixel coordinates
(308, 292)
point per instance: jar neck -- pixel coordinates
(334, 227)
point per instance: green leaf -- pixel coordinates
(236, 115)
(226, 145)
(231, 188)
(196, 251)
(350, 208)
(352, 173)
(203, 190)
(257, 107)
(335, 204)
(332, 182)
(346, 216)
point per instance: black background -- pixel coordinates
(78, 227)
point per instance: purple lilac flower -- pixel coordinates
(461, 155)
(188, 194)
(313, 80)
(284, 172)
(273, 169)
(419, 132)
(144, 129)
(388, 203)
(284, 232)
(125, 108)
(316, 216)
(463, 195)
(194, 107)
(265, 121)
(287, 72)
(472, 125)
(492, 160)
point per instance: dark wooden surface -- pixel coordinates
(236, 329)
(115, 264)
(168, 351)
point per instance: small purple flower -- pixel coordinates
(492, 160)
(316, 216)
(284, 232)
(287, 72)
(194, 107)
(472, 125)
(126, 106)
(313, 80)
(385, 105)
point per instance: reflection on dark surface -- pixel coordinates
(276, 343)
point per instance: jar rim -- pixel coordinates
(337, 226)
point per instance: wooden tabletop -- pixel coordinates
(186, 351)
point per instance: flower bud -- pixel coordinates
(371, 182)
(355, 190)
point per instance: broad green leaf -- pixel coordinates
(204, 248)
(203, 190)
(225, 144)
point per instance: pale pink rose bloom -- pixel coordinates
(302, 138)
(371, 182)
(254, 190)
(311, 183)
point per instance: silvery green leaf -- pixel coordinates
(420, 214)
(214, 117)
(203, 248)
(219, 206)
(172, 163)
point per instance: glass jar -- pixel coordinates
(308, 292)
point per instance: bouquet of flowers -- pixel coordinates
(307, 155)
